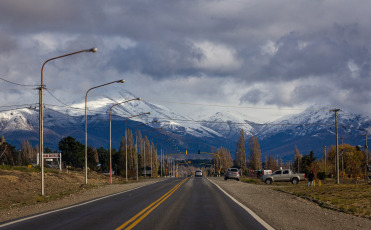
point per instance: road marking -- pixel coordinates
(142, 214)
(73, 206)
(253, 214)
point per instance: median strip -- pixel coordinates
(142, 214)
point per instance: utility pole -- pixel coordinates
(337, 145)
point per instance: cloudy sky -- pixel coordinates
(242, 55)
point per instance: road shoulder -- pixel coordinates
(286, 211)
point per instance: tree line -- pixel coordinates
(142, 152)
(351, 160)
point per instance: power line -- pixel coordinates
(16, 83)
(232, 106)
(56, 98)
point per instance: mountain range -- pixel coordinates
(309, 130)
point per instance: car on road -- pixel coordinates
(198, 173)
(232, 173)
(283, 175)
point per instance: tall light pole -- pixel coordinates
(110, 154)
(126, 143)
(41, 124)
(86, 125)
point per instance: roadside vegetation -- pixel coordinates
(347, 196)
(20, 185)
(350, 196)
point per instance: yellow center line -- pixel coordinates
(150, 208)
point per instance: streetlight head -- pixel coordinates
(149, 113)
(120, 81)
(139, 98)
(93, 50)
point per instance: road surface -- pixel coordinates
(175, 203)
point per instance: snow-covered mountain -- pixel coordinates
(61, 121)
(228, 124)
(309, 130)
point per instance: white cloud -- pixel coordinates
(217, 57)
(114, 42)
(270, 48)
(353, 68)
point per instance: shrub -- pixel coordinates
(321, 175)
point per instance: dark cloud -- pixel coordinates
(253, 96)
(158, 59)
(293, 52)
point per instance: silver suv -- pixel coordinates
(232, 173)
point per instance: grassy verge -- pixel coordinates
(347, 197)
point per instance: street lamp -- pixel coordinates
(86, 125)
(41, 123)
(110, 155)
(126, 144)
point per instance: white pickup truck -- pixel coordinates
(284, 175)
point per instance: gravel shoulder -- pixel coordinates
(286, 211)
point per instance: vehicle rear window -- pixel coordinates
(234, 170)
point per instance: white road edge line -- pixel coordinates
(73, 206)
(253, 214)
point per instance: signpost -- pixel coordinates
(50, 157)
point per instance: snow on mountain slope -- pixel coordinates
(168, 120)
(229, 123)
(23, 119)
(315, 119)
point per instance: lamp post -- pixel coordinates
(126, 144)
(41, 124)
(86, 125)
(110, 154)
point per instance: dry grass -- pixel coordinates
(21, 185)
(347, 197)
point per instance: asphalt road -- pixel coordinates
(176, 203)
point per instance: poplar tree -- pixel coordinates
(224, 160)
(255, 154)
(240, 158)
(297, 160)
(27, 152)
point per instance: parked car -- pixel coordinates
(261, 173)
(198, 173)
(232, 173)
(287, 175)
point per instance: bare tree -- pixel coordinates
(27, 152)
(297, 160)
